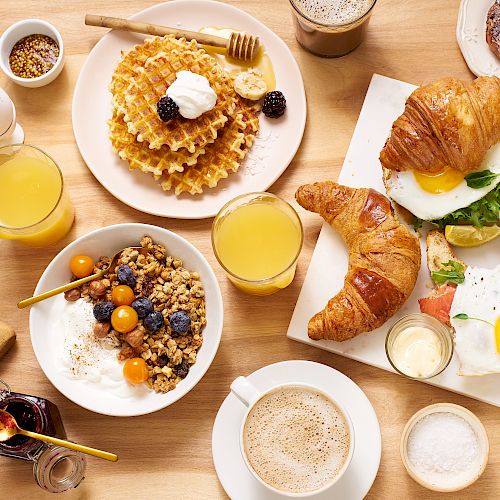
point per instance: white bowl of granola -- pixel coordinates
(89, 369)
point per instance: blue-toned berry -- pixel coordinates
(180, 322)
(126, 276)
(143, 306)
(153, 321)
(103, 310)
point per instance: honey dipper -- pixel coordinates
(239, 46)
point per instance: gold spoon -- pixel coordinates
(9, 428)
(75, 284)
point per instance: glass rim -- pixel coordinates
(21, 145)
(324, 25)
(440, 330)
(255, 194)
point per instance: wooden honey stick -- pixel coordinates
(239, 46)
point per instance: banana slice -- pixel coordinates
(250, 85)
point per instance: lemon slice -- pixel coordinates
(470, 236)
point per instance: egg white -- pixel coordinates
(478, 297)
(403, 188)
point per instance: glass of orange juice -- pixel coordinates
(257, 238)
(35, 207)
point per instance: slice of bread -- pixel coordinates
(439, 251)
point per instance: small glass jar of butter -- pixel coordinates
(419, 346)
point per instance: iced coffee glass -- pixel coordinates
(331, 28)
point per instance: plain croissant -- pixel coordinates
(448, 123)
(384, 259)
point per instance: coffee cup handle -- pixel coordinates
(245, 391)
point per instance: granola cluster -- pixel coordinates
(163, 279)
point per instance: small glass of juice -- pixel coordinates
(35, 207)
(257, 238)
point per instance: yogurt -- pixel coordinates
(192, 93)
(83, 357)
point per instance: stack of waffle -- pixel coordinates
(183, 155)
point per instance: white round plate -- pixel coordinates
(274, 147)
(471, 37)
(233, 474)
(107, 241)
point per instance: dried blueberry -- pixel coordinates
(153, 321)
(126, 276)
(143, 306)
(183, 368)
(180, 322)
(103, 310)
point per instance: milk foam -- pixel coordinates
(296, 439)
(334, 12)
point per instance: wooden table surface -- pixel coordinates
(168, 453)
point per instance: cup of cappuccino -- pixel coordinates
(296, 440)
(331, 28)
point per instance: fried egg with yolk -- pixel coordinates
(433, 196)
(477, 339)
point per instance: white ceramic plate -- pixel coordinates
(471, 37)
(107, 241)
(275, 145)
(233, 474)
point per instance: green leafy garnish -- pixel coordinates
(483, 212)
(417, 223)
(466, 316)
(478, 180)
(450, 272)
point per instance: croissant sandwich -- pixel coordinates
(384, 259)
(447, 123)
(442, 159)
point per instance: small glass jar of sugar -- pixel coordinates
(444, 447)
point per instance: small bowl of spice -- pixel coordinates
(444, 447)
(31, 53)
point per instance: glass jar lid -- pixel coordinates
(57, 469)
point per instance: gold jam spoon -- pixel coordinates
(75, 284)
(9, 428)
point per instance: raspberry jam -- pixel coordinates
(33, 414)
(55, 469)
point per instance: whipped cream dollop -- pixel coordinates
(192, 93)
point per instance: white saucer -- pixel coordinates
(471, 37)
(233, 474)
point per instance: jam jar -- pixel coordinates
(56, 469)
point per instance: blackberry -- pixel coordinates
(274, 104)
(143, 306)
(102, 311)
(180, 322)
(153, 321)
(126, 276)
(167, 109)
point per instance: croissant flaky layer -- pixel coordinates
(384, 259)
(448, 123)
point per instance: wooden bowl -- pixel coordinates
(470, 418)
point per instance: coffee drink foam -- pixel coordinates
(296, 439)
(334, 12)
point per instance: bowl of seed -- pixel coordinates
(31, 53)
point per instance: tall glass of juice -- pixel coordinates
(257, 238)
(34, 205)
